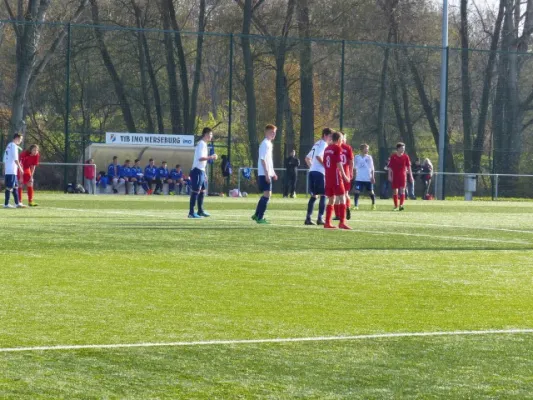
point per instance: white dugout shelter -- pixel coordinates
(174, 149)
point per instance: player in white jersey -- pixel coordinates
(198, 176)
(266, 174)
(317, 179)
(364, 175)
(12, 166)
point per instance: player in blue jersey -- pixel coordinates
(163, 176)
(198, 176)
(128, 174)
(266, 174)
(114, 174)
(317, 180)
(176, 174)
(139, 177)
(12, 167)
(150, 175)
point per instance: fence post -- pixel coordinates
(343, 52)
(230, 105)
(67, 103)
(496, 187)
(443, 99)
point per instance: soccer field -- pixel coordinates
(125, 298)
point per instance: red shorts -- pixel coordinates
(399, 183)
(335, 190)
(25, 178)
(347, 187)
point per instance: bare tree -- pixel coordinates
(117, 82)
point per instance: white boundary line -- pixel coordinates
(373, 232)
(273, 340)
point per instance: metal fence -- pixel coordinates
(91, 79)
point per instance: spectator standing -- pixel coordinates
(291, 168)
(89, 173)
(416, 168)
(427, 174)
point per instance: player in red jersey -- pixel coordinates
(399, 166)
(29, 159)
(335, 180)
(348, 165)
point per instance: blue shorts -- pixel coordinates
(317, 183)
(197, 177)
(263, 185)
(11, 181)
(360, 186)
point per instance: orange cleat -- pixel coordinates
(344, 226)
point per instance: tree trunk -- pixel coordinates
(383, 89)
(479, 142)
(183, 67)
(154, 85)
(307, 99)
(142, 68)
(466, 89)
(198, 66)
(117, 82)
(280, 102)
(430, 116)
(175, 116)
(249, 84)
(28, 37)
(290, 138)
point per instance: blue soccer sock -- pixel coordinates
(201, 196)
(356, 199)
(310, 207)
(171, 187)
(261, 207)
(180, 188)
(192, 203)
(8, 194)
(321, 206)
(16, 196)
(145, 187)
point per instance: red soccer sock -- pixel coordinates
(20, 194)
(395, 198)
(336, 208)
(329, 213)
(402, 199)
(342, 212)
(30, 194)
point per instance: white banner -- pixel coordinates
(149, 139)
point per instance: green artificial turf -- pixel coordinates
(84, 270)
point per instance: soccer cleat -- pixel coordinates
(9, 206)
(320, 221)
(254, 217)
(344, 226)
(395, 209)
(33, 204)
(194, 216)
(20, 205)
(171, 193)
(329, 226)
(401, 208)
(354, 208)
(150, 191)
(204, 214)
(115, 191)
(309, 222)
(348, 214)
(373, 207)
(263, 221)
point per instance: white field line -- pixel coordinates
(273, 340)
(373, 232)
